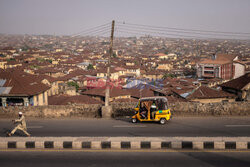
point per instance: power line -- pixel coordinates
(140, 34)
(182, 29)
(104, 31)
(101, 34)
(180, 32)
(89, 30)
(127, 32)
(161, 33)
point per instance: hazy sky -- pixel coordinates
(71, 16)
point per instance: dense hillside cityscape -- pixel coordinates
(73, 69)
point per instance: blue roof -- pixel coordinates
(138, 84)
(145, 86)
(84, 63)
(133, 83)
(5, 90)
(185, 95)
(2, 82)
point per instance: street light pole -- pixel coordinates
(107, 91)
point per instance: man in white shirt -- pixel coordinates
(21, 125)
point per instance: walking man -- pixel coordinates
(21, 125)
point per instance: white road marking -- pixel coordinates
(237, 125)
(34, 127)
(129, 126)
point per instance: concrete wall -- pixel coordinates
(54, 90)
(91, 110)
(127, 109)
(215, 100)
(123, 109)
(192, 109)
(41, 99)
(211, 109)
(239, 70)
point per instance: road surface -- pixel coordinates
(179, 126)
(115, 159)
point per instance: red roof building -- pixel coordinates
(220, 66)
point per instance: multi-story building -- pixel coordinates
(220, 66)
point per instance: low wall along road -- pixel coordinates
(126, 109)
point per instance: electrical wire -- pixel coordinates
(90, 30)
(182, 29)
(104, 31)
(180, 32)
(141, 29)
(161, 33)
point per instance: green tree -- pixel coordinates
(40, 59)
(49, 60)
(168, 75)
(90, 67)
(72, 83)
(34, 67)
(11, 59)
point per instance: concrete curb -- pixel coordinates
(133, 143)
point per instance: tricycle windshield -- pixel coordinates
(160, 103)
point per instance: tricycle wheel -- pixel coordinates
(163, 121)
(134, 120)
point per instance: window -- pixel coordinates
(43, 97)
(209, 72)
(208, 68)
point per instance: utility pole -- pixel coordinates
(107, 110)
(107, 92)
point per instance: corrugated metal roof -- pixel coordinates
(5, 90)
(184, 95)
(84, 63)
(2, 82)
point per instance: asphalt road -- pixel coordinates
(114, 159)
(179, 126)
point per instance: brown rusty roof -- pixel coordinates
(220, 59)
(204, 92)
(238, 83)
(22, 83)
(137, 93)
(114, 92)
(126, 100)
(78, 99)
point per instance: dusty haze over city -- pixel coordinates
(65, 17)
